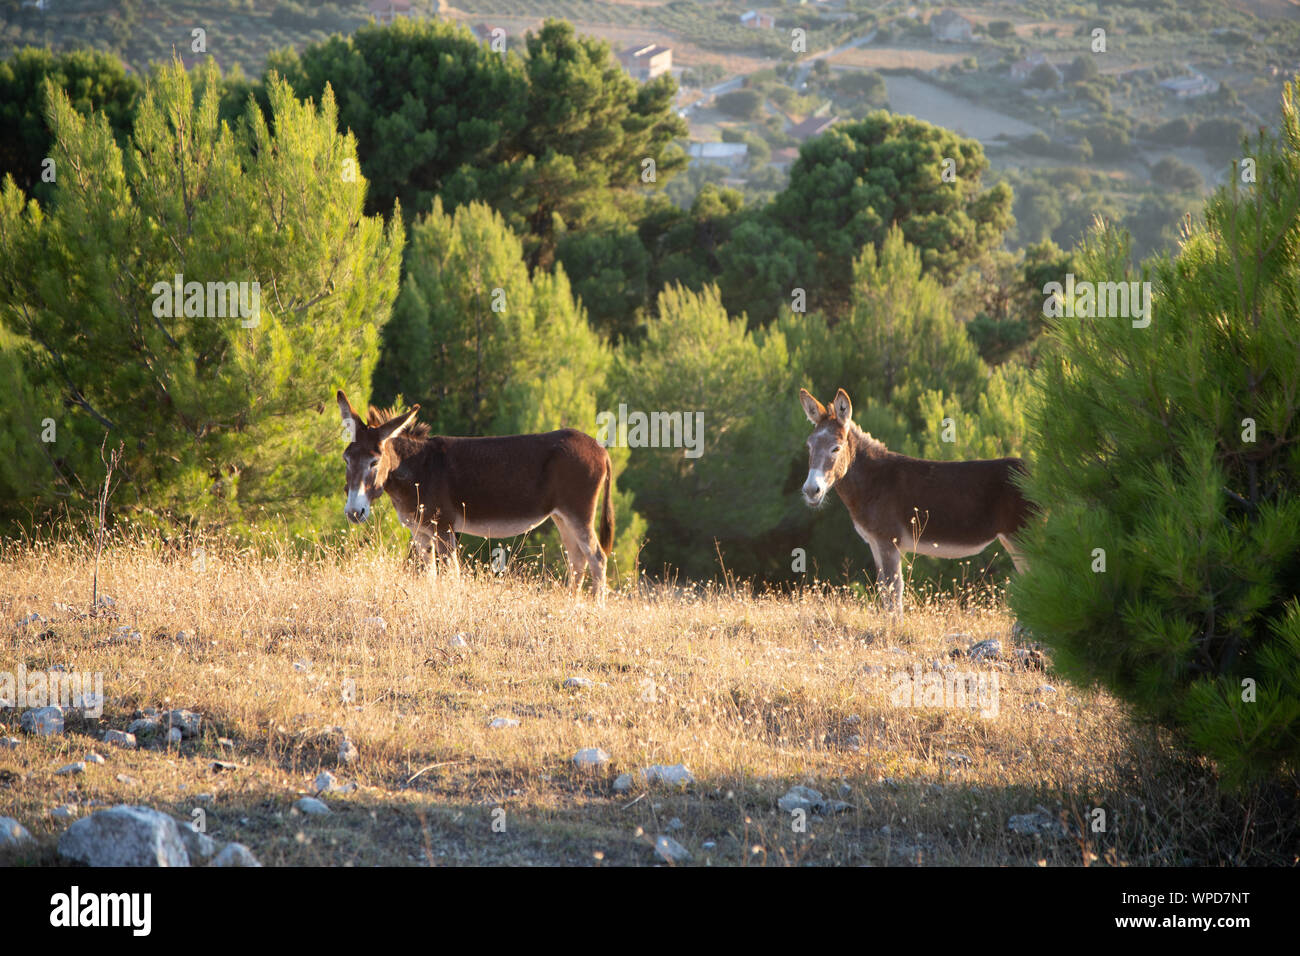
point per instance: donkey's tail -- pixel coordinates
(607, 515)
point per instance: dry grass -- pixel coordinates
(752, 693)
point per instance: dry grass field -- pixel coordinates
(286, 657)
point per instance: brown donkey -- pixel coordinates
(489, 487)
(947, 509)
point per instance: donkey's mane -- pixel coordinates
(376, 417)
(874, 445)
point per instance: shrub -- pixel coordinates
(1176, 449)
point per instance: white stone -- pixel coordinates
(12, 832)
(125, 836)
(311, 806)
(325, 782)
(670, 850)
(675, 775)
(235, 854)
(590, 758)
(186, 721)
(801, 798)
(9, 743)
(577, 683)
(93, 757)
(501, 723)
(347, 752)
(43, 721)
(198, 845)
(70, 769)
(175, 736)
(623, 783)
(120, 738)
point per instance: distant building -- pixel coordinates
(732, 155)
(1023, 69)
(812, 126)
(647, 61)
(484, 32)
(949, 26)
(386, 11)
(1186, 87)
(753, 20)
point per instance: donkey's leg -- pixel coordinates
(444, 548)
(572, 551)
(889, 573)
(1017, 558)
(419, 555)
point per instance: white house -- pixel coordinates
(949, 26)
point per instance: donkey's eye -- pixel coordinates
(836, 450)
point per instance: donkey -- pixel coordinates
(489, 487)
(948, 509)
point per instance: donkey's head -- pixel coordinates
(828, 445)
(369, 456)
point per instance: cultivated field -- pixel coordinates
(285, 658)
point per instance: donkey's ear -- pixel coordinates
(811, 407)
(352, 422)
(843, 407)
(392, 429)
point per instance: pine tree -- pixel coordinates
(284, 286)
(1166, 562)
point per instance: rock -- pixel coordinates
(125, 635)
(708, 844)
(501, 723)
(225, 743)
(64, 812)
(32, 620)
(43, 721)
(325, 782)
(204, 797)
(347, 752)
(186, 720)
(301, 665)
(675, 775)
(142, 726)
(801, 798)
(670, 850)
(375, 623)
(12, 833)
(120, 738)
(675, 824)
(623, 783)
(577, 683)
(311, 806)
(590, 758)
(123, 778)
(174, 735)
(235, 854)
(986, 650)
(1041, 823)
(217, 766)
(1045, 689)
(845, 790)
(836, 806)
(872, 670)
(199, 846)
(958, 759)
(460, 640)
(70, 769)
(125, 836)
(9, 743)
